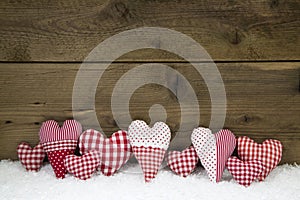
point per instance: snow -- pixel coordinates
(17, 183)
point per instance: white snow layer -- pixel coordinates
(16, 183)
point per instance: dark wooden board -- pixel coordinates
(67, 30)
(263, 100)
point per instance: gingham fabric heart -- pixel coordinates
(31, 158)
(149, 145)
(83, 166)
(114, 151)
(244, 172)
(58, 142)
(183, 163)
(269, 153)
(213, 150)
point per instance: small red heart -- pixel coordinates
(58, 142)
(269, 153)
(83, 166)
(244, 172)
(31, 158)
(183, 163)
(114, 151)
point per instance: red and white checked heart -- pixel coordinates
(31, 158)
(183, 163)
(114, 151)
(83, 166)
(58, 142)
(269, 153)
(149, 145)
(244, 172)
(213, 150)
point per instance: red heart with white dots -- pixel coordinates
(244, 172)
(83, 166)
(183, 163)
(149, 145)
(114, 151)
(31, 158)
(213, 150)
(269, 153)
(58, 142)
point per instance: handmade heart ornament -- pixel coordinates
(183, 163)
(114, 151)
(83, 166)
(58, 142)
(31, 158)
(244, 172)
(269, 153)
(213, 150)
(149, 145)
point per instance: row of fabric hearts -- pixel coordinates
(149, 146)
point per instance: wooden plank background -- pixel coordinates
(255, 45)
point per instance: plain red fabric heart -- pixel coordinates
(31, 158)
(149, 145)
(213, 150)
(244, 172)
(269, 153)
(114, 151)
(183, 163)
(83, 166)
(58, 142)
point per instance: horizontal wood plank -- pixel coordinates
(68, 30)
(263, 100)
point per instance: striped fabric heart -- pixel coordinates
(244, 172)
(183, 163)
(213, 150)
(114, 151)
(58, 142)
(269, 153)
(149, 145)
(83, 166)
(31, 158)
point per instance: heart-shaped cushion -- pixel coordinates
(83, 166)
(183, 163)
(269, 153)
(31, 158)
(244, 172)
(58, 142)
(149, 145)
(213, 150)
(114, 151)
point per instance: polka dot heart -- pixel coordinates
(213, 150)
(149, 145)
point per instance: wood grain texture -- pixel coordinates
(67, 30)
(263, 100)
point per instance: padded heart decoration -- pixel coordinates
(114, 151)
(269, 153)
(31, 158)
(149, 145)
(244, 172)
(183, 163)
(58, 142)
(213, 150)
(83, 166)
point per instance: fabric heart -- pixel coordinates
(114, 151)
(149, 145)
(183, 163)
(213, 150)
(58, 142)
(269, 153)
(83, 166)
(244, 172)
(31, 158)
